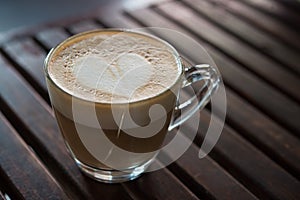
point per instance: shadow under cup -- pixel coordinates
(92, 133)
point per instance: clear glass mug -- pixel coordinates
(116, 142)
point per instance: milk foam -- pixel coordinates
(108, 67)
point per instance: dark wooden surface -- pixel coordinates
(255, 45)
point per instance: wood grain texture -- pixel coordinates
(161, 184)
(271, 71)
(263, 132)
(242, 80)
(257, 39)
(265, 97)
(207, 178)
(29, 56)
(28, 59)
(253, 169)
(261, 94)
(25, 172)
(268, 24)
(278, 11)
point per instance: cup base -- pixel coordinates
(112, 176)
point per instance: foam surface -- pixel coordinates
(114, 67)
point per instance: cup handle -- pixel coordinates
(193, 74)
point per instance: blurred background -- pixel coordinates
(19, 13)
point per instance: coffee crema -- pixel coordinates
(114, 67)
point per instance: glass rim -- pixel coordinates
(61, 44)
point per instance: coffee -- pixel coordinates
(107, 67)
(115, 96)
(121, 77)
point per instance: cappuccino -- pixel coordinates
(114, 67)
(113, 94)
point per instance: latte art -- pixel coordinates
(116, 80)
(118, 68)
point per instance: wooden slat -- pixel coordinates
(82, 26)
(25, 172)
(252, 36)
(248, 165)
(51, 37)
(275, 141)
(271, 71)
(277, 10)
(161, 184)
(268, 23)
(206, 175)
(30, 58)
(260, 129)
(265, 133)
(263, 96)
(38, 128)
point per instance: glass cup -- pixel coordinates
(116, 142)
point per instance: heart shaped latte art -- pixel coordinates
(129, 72)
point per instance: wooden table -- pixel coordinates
(255, 45)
